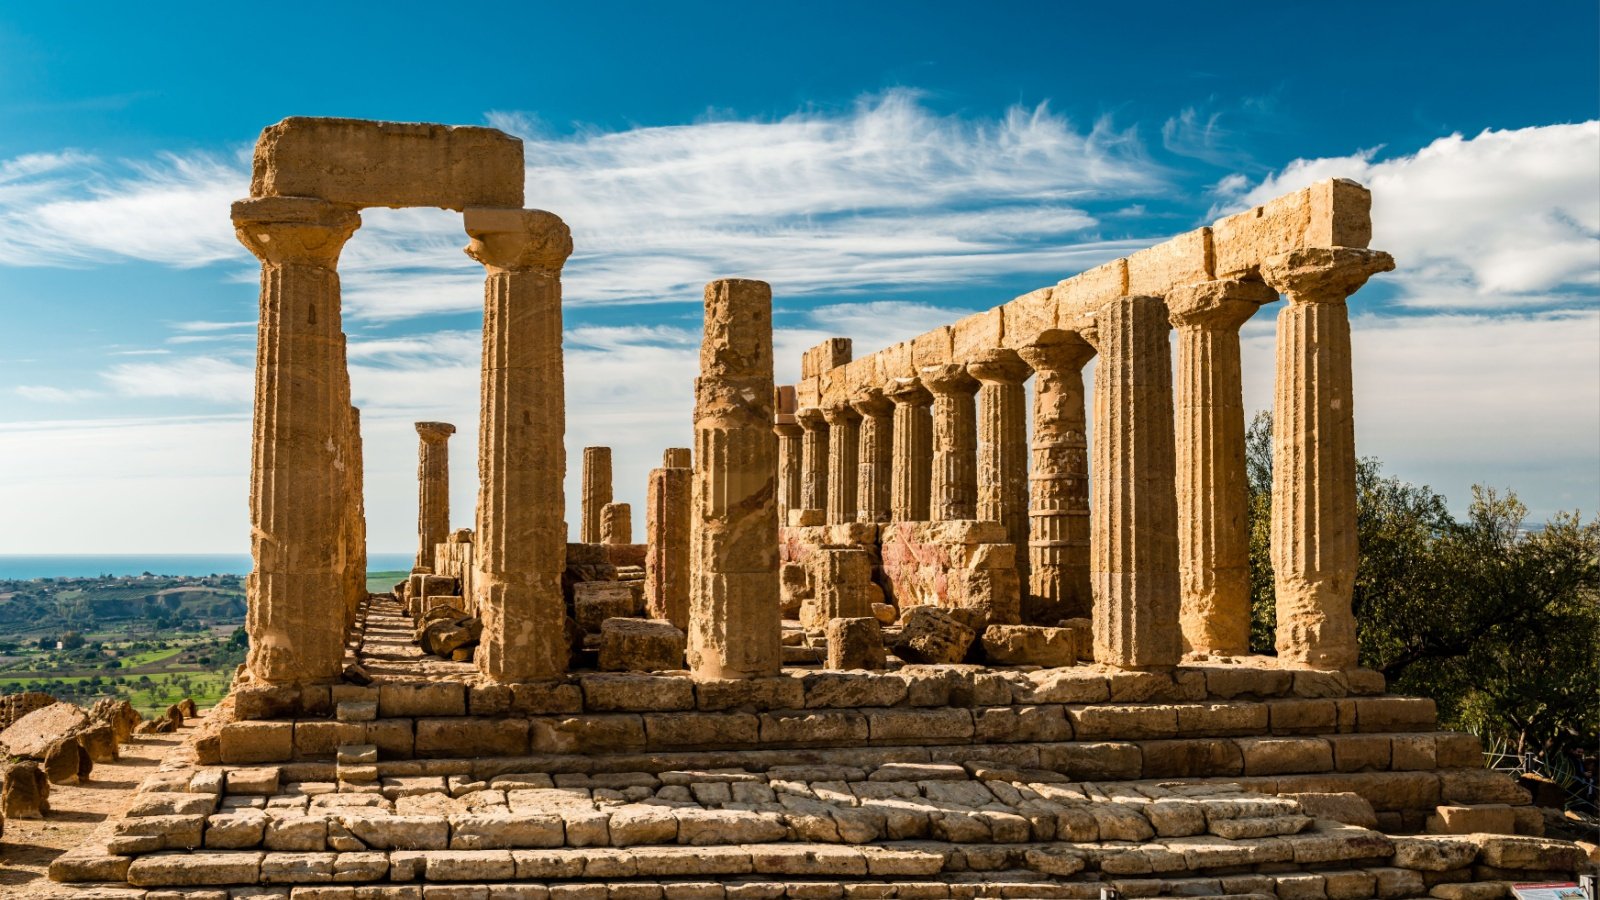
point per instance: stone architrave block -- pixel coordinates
(640, 645)
(1031, 645)
(394, 164)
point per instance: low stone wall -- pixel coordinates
(453, 559)
(15, 706)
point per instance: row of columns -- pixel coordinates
(1161, 555)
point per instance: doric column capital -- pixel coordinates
(811, 418)
(435, 431)
(950, 380)
(785, 425)
(907, 392)
(871, 401)
(1324, 274)
(1066, 352)
(999, 367)
(840, 413)
(1217, 305)
(295, 230)
(518, 239)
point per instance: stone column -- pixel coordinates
(1213, 495)
(596, 493)
(954, 491)
(844, 437)
(734, 623)
(296, 587)
(813, 459)
(788, 431)
(874, 474)
(358, 515)
(616, 523)
(912, 476)
(1314, 454)
(666, 524)
(1058, 545)
(433, 487)
(521, 530)
(1135, 509)
(1003, 449)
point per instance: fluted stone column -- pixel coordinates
(813, 458)
(433, 487)
(788, 431)
(734, 623)
(1003, 449)
(1213, 493)
(666, 521)
(1314, 454)
(844, 446)
(954, 489)
(296, 585)
(1058, 545)
(596, 493)
(1135, 509)
(911, 481)
(521, 533)
(616, 523)
(356, 568)
(874, 476)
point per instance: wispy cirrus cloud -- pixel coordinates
(883, 194)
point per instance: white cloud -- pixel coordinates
(1499, 220)
(44, 393)
(882, 194)
(206, 378)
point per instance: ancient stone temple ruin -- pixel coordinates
(895, 630)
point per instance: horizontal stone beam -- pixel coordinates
(393, 164)
(1334, 213)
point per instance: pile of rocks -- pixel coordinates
(57, 743)
(448, 631)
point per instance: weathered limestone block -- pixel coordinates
(99, 741)
(1314, 454)
(855, 643)
(956, 564)
(1003, 447)
(930, 635)
(912, 472)
(298, 583)
(841, 586)
(24, 790)
(616, 523)
(734, 625)
(667, 577)
(36, 733)
(1058, 544)
(1213, 537)
(1135, 512)
(364, 163)
(954, 488)
(596, 493)
(640, 645)
(520, 552)
(1035, 645)
(595, 601)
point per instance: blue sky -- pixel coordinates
(885, 168)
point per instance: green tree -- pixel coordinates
(1496, 622)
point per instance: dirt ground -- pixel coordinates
(77, 811)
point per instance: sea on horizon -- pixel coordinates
(92, 565)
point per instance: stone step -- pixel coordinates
(1329, 846)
